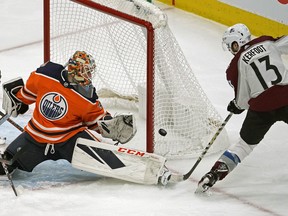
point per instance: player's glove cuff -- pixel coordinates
(234, 108)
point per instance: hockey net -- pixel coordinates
(140, 69)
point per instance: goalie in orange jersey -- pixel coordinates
(66, 108)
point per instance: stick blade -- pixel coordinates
(175, 178)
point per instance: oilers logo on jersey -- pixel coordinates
(53, 106)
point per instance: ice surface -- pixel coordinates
(257, 187)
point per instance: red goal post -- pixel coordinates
(138, 60)
(150, 53)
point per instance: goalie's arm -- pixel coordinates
(11, 103)
(121, 128)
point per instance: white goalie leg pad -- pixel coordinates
(117, 162)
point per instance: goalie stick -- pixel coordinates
(4, 162)
(9, 178)
(14, 158)
(179, 178)
(6, 117)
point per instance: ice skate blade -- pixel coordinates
(200, 191)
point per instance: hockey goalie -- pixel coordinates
(70, 123)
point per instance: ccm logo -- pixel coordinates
(130, 151)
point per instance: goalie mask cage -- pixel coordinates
(138, 61)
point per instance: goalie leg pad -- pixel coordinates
(117, 162)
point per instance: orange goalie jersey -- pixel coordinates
(60, 111)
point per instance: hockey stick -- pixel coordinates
(9, 178)
(177, 178)
(16, 156)
(6, 117)
(3, 118)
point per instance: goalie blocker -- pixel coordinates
(119, 162)
(11, 104)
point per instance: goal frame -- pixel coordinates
(150, 56)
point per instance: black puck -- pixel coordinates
(162, 132)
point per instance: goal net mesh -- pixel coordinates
(120, 48)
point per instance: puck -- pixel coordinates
(162, 132)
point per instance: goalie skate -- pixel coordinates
(165, 177)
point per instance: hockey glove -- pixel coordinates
(11, 104)
(121, 128)
(234, 108)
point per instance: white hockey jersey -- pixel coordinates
(258, 75)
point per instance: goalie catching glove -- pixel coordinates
(11, 104)
(121, 128)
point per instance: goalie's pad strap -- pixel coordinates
(117, 162)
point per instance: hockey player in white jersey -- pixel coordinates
(260, 81)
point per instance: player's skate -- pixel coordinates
(165, 177)
(218, 172)
(206, 182)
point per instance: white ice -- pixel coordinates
(258, 186)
